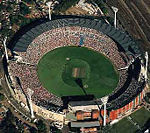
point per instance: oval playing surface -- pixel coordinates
(70, 71)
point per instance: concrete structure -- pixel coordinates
(104, 100)
(4, 43)
(30, 92)
(115, 19)
(146, 58)
(49, 11)
(49, 115)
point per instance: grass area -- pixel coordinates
(99, 73)
(141, 117)
(123, 126)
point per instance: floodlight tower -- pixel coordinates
(115, 19)
(30, 93)
(4, 43)
(104, 100)
(142, 71)
(49, 6)
(1, 81)
(146, 57)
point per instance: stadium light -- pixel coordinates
(104, 100)
(30, 93)
(4, 43)
(49, 9)
(0, 81)
(115, 19)
(146, 65)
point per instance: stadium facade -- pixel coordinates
(115, 44)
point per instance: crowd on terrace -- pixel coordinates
(59, 37)
(67, 36)
(129, 90)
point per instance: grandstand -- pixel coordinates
(96, 35)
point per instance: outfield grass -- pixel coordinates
(100, 75)
(141, 116)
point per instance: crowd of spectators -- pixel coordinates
(59, 37)
(67, 36)
(129, 91)
(29, 79)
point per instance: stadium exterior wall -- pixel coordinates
(46, 114)
(119, 113)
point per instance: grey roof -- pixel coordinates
(85, 124)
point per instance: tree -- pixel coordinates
(0, 105)
(41, 126)
(25, 21)
(9, 8)
(20, 127)
(2, 7)
(28, 1)
(55, 129)
(24, 9)
(110, 20)
(33, 130)
(1, 88)
(65, 4)
(1, 97)
(14, 19)
(20, 20)
(105, 11)
(4, 31)
(7, 125)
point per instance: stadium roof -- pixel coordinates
(117, 35)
